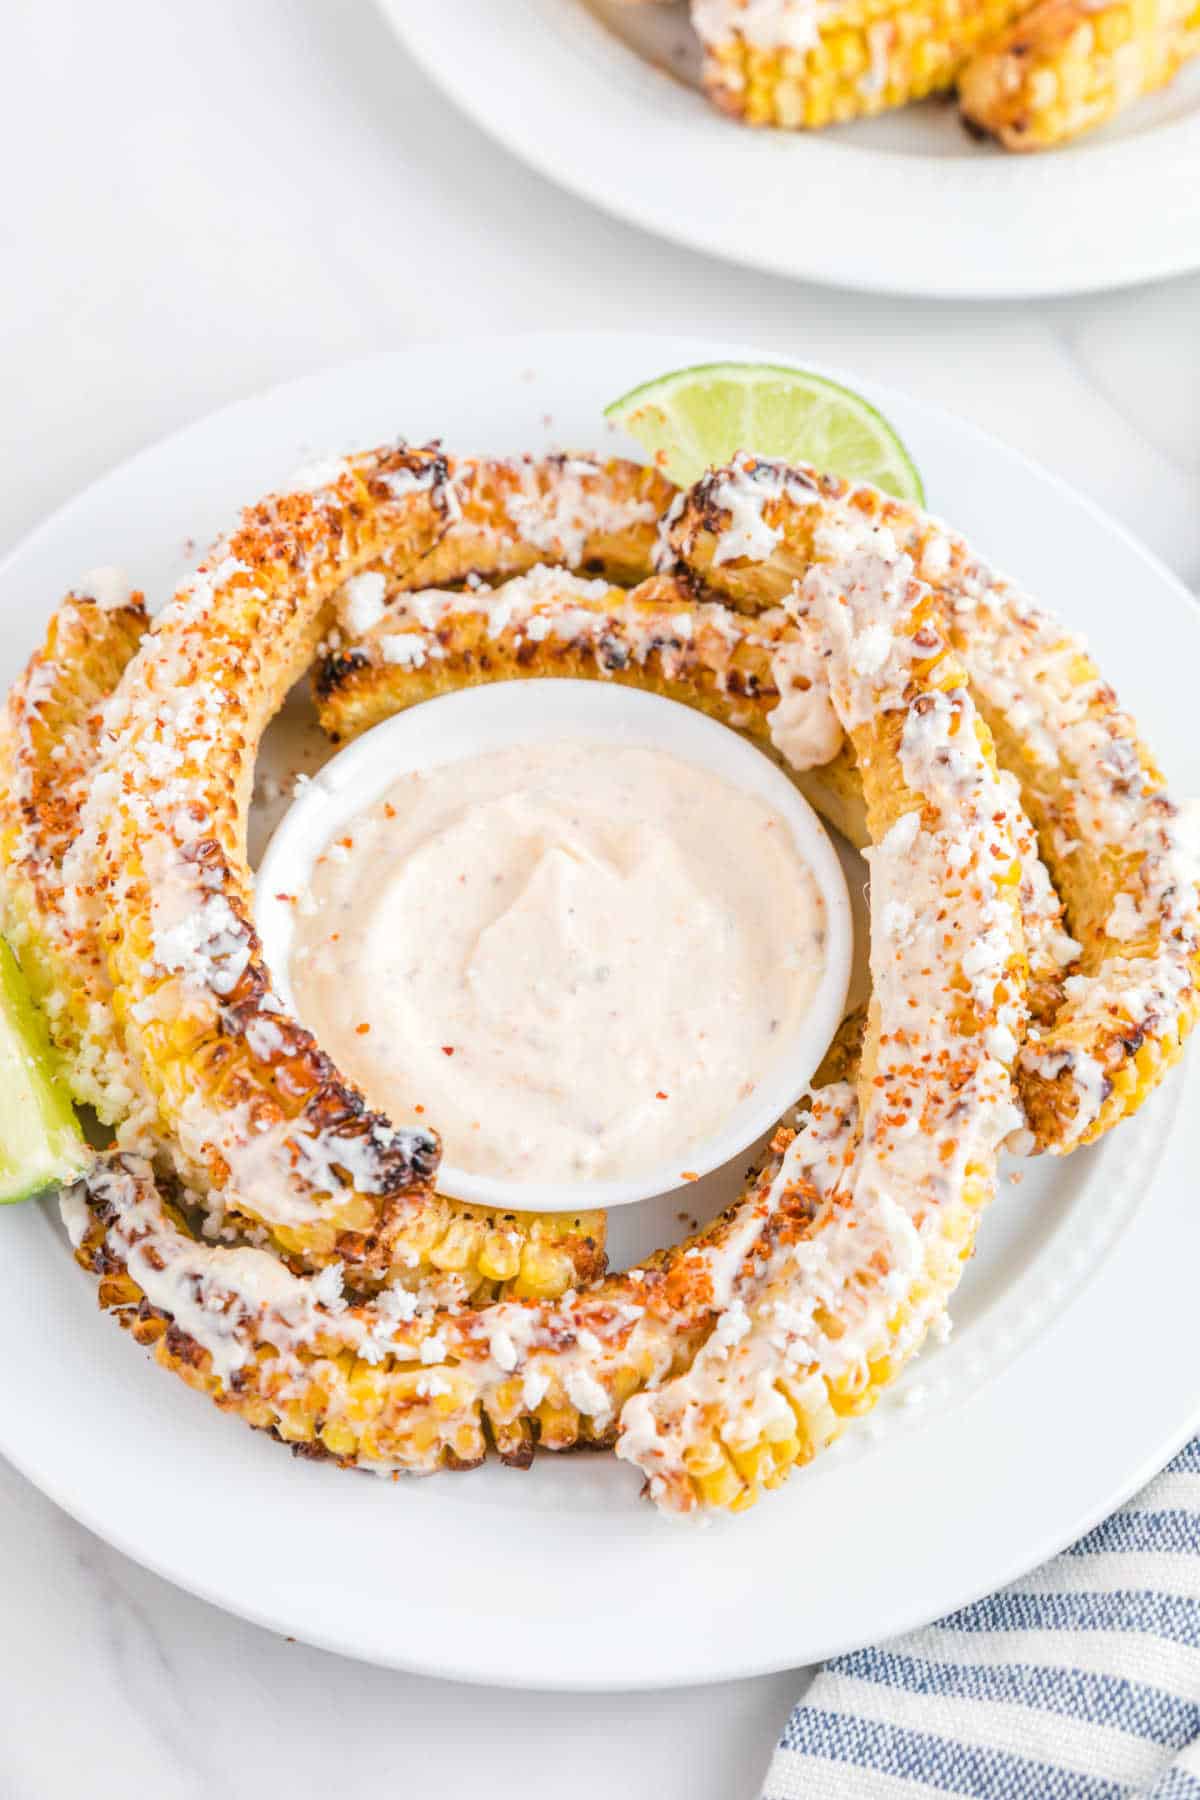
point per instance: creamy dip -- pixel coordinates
(573, 961)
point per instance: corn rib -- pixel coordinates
(576, 512)
(259, 1122)
(830, 1323)
(823, 62)
(1066, 66)
(49, 746)
(1108, 832)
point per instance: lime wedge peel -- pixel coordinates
(40, 1140)
(692, 419)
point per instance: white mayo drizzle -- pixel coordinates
(560, 521)
(764, 24)
(805, 728)
(1048, 945)
(109, 587)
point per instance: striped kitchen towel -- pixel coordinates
(1081, 1682)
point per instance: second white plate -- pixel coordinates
(598, 97)
(1070, 1375)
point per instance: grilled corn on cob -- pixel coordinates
(833, 1319)
(1107, 831)
(577, 512)
(809, 63)
(48, 750)
(257, 1119)
(1066, 66)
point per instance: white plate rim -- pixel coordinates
(1063, 222)
(1166, 1410)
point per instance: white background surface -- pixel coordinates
(200, 201)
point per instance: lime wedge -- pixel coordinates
(694, 418)
(40, 1141)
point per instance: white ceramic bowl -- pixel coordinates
(500, 714)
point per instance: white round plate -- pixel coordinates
(1070, 1376)
(601, 98)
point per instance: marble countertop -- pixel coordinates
(205, 200)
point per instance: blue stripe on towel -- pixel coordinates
(1161, 1615)
(1173, 1530)
(1175, 1784)
(942, 1763)
(1128, 1706)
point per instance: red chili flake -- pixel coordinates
(362, 1029)
(347, 843)
(288, 899)
(418, 1109)
(688, 1175)
(389, 811)
(447, 1049)
(660, 1095)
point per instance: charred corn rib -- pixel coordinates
(833, 1318)
(751, 673)
(257, 1118)
(576, 512)
(394, 1382)
(48, 755)
(48, 751)
(1107, 831)
(390, 1383)
(1109, 835)
(809, 63)
(1066, 66)
(547, 622)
